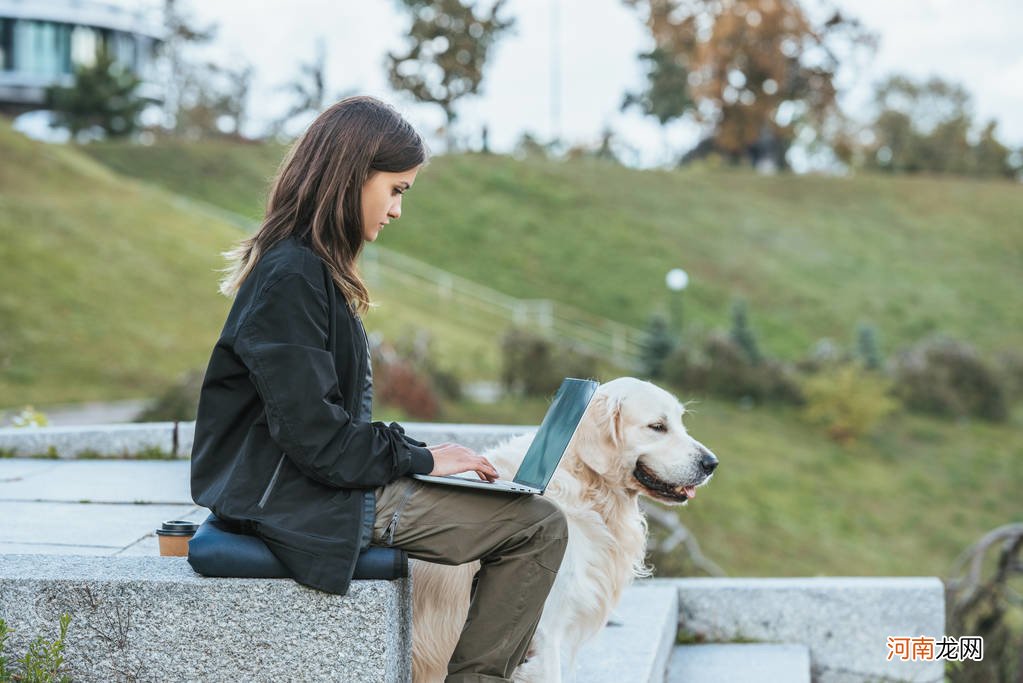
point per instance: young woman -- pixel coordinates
(285, 445)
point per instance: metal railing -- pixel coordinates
(597, 335)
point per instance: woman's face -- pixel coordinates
(381, 199)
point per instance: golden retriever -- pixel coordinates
(630, 442)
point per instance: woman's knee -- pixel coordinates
(550, 517)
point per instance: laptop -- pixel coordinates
(545, 451)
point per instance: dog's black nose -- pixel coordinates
(708, 461)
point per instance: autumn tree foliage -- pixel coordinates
(755, 72)
(448, 46)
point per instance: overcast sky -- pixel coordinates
(975, 43)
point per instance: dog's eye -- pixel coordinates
(659, 427)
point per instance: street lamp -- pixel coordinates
(677, 280)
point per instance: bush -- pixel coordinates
(848, 401)
(724, 369)
(946, 377)
(30, 417)
(1010, 367)
(418, 350)
(43, 662)
(533, 365)
(178, 403)
(397, 382)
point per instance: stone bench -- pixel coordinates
(154, 619)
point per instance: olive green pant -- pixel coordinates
(519, 539)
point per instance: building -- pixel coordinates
(42, 41)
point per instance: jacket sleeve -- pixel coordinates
(283, 341)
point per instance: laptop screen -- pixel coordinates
(555, 433)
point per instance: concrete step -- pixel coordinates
(739, 663)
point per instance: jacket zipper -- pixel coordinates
(273, 481)
(393, 524)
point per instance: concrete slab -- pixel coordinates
(149, 545)
(845, 621)
(739, 663)
(115, 526)
(636, 644)
(19, 469)
(54, 549)
(97, 481)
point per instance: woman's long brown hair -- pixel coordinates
(317, 193)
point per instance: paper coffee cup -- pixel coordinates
(174, 536)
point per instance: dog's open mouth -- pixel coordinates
(658, 488)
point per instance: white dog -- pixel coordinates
(630, 441)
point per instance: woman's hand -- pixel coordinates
(450, 458)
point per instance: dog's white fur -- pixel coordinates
(597, 487)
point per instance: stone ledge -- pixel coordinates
(175, 438)
(844, 621)
(111, 441)
(637, 642)
(146, 618)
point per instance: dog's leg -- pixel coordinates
(544, 664)
(440, 602)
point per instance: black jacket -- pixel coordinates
(276, 447)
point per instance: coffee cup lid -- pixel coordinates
(177, 527)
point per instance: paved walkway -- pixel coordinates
(90, 507)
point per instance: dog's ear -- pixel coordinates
(605, 433)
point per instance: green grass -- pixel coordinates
(787, 501)
(812, 255)
(108, 290)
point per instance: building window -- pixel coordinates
(6, 44)
(41, 48)
(84, 41)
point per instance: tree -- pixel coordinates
(308, 89)
(755, 71)
(926, 126)
(448, 46)
(181, 34)
(103, 96)
(656, 346)
(867, 347)
(213, 100)
(742, 334)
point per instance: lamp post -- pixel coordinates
(677, 280)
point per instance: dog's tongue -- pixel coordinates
(690, 492)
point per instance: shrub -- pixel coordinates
(848, 401)
(396, 382)
(824, 353)
(946, 377)
(43, 662)
(1010, 367)
(723, 369)
(178, 403)
(533, 365)
(30, 417)
(418, 350)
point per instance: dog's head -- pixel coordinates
(632, 436)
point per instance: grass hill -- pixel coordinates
(813, 256)
(108, 288)
(108, 291)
